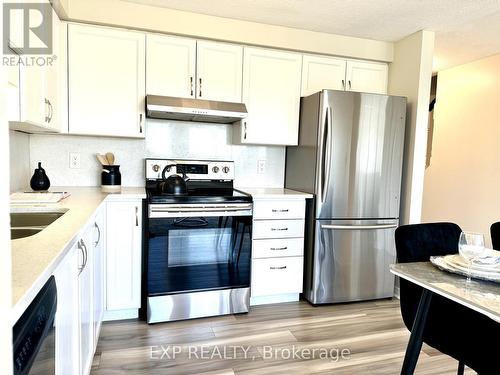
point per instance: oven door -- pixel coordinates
(200, 249)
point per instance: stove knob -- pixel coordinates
(156, 167)
(215, 169)
(225, 169)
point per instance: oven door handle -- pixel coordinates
(174, 209)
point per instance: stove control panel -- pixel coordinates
(194, 169)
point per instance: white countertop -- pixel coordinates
(274, 193)
(36, 257)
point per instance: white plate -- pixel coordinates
(441, 263)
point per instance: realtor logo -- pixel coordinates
(27, 28)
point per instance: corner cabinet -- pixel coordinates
(123, 259)
(271, 92)
(324, 72)
(188, 68)
(106, 81)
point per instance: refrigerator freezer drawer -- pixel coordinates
(276, 276)
(350, 261)
(278, 229)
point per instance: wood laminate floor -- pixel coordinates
(371, 334)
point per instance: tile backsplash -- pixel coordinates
(164, 139)
(20, 171)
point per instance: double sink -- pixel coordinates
(25, 224)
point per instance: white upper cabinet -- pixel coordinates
(170, 66)
(364, 76)
(106, 81)
(219, 71)
(321, 72)
(39, 87)
(271, 92)
(186, 68)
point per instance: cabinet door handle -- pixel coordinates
(343, 85)
(279, 248)
(83, 249)
(277, 268)
(136, 216)
(200, 88)
(140, 123)
(51, 111)
(279, 229)
(98, 234)
(46, 110)
(244, 130)
(282, 210)
(191, 84)
(349, 84)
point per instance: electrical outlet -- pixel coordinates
(74, 160)
(261, 166)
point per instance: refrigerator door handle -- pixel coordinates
(358, 227)
(325, 153)
(328, 151)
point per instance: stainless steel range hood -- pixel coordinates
(186, 109)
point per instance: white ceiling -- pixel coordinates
(466, 30)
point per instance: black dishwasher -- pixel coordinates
(34, 334)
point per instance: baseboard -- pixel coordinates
(120, 315)
(279, 298)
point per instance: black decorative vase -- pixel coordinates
(111, 179)
(39, 181)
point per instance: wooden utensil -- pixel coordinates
(102, 159)
(111, 158)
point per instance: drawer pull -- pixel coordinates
(277, 268)
(279, 248)
(279, 229)
(283, 210)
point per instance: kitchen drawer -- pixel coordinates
(263, 229)
(281, 247)
(276, 276)
(279, 209)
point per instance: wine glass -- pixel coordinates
(470, 247)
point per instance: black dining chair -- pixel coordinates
(451, 328)
(495, 235)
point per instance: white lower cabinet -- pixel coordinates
(277, 250)
(123, 259)
(67, 336)
(85, 300)
(99, 257)
(79, 311)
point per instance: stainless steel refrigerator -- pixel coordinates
(350, 157)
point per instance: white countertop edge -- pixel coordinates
(274, 193)
(446, 295)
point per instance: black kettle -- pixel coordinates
(174, 184)
(39, 181)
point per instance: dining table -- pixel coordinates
(478, 295)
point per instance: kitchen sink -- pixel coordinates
(25, 224)
(33, 219)
(16, 233)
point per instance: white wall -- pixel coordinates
(164, 139)
(138, 16)
(462, 183)
(20, 172)
(410, 75)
